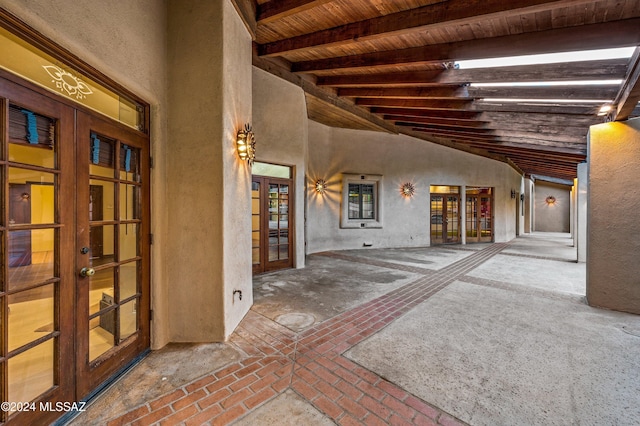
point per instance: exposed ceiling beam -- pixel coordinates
(455, 92)
(471, 124)
(565, 109)
(529, 143)
(606, 93)
(323, 95)
(426, 18)
(541, 129)
(454, 104)
(629, 95)
(412, 112)
(273, 10)
(595, 36)
(247, 11)
(589, 70)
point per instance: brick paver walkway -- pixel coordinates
(311, 364)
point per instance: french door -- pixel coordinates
(479, 217)
(445, 218)
(70, 318)
(272, 223)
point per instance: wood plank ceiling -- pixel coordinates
(390, 65)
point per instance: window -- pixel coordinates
(360, 201)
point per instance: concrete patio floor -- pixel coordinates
(489, 334)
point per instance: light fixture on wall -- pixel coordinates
(513, 193)
(246, 144)
(25, 196)
(321, 186)
(407, 189)
(550, 200)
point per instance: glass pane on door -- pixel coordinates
(30, 295)
(437, 219)
(486, 222)
(472, 217)
(452, 219)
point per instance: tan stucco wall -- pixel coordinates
(552, 217)
(280, 123)
(126, 42)
(209, 251)
(613, 202)
(399, 159)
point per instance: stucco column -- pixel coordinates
(581, 204)
(209, 80)
(528, 186)
(612, 216)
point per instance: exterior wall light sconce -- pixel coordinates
(513, 193)
(407, 189)
(550, 200)
(246, 144)
(321, 186)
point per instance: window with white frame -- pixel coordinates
(361, 201)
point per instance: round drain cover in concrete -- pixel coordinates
(296, 321)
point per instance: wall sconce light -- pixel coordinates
(246, 144)
(407, 189)
(25, 196)
(513, 193)
(321, 186)
(550, 200)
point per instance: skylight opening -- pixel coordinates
(548, 101)
(548, 58)
(550, 83)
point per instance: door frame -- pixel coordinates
(265, 265)
(478, 219)
(444, 218)
(68, 382)
(91, 374)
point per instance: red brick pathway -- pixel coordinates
(311, 363)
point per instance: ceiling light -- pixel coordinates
(605, 109)
(548, 58)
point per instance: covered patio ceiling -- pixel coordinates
(398, 66)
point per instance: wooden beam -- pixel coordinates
(578, 134)
(451, 144)
(424, 19)
(324, 95)
(471, 124)
(605, 93)
(455, 92)
(629, 95)
(589, 70)
(247, 11)
(453, 104)
(538, 119)
(278, 9)
(568, 109)
(563, 147)
(413, 112)
(593, 36)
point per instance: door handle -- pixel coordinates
(87, 272)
